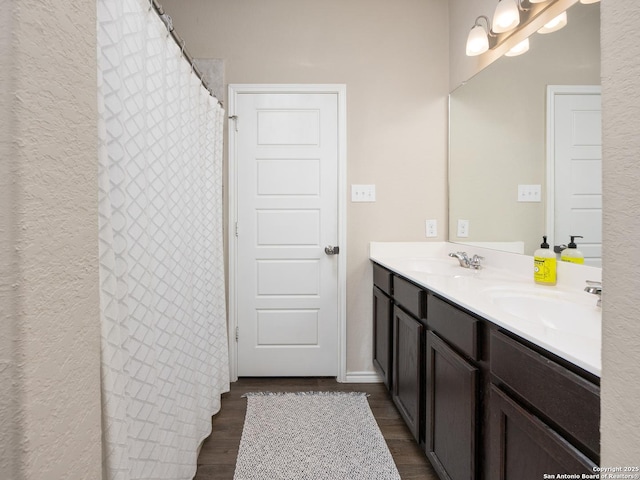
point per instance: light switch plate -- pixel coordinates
(363, 193)
(529, 193)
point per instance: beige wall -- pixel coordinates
(498, 131)
(9, 448)
(49, 244)
(393, 57)
(621, 246)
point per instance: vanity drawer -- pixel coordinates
(383, 279)
(458, 328)
(410, 297)
(563, 397)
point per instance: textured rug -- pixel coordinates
(312, 436)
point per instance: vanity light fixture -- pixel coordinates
(555, 24)
(519, 49)
(587, 2)
(507, 15)
(478, 39)
(507, 18)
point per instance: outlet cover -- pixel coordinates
(431, 228)
(363, 193)
(463, 228)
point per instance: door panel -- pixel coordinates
(525, 448)
(287, 212)
(578, 173)
(407, 369)
(451, 412)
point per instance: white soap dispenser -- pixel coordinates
(571, 253)
(544, 264)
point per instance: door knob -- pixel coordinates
(331, 250)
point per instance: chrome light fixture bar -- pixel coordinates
(510, 17)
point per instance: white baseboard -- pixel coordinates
(362, 377)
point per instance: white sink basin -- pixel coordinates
(449, 267)
(555, 310)
(434, 266)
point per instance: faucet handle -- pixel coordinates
(594, 288)
(475, 261)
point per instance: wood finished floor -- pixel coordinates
(217, 457)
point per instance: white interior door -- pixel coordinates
(577, 155)
(287, 288)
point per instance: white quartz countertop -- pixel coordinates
(563, 319)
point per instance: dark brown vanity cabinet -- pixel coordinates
(408, 353)
(382, 334)
(485, 403)
(382, 322)
(407, 369)
(398, 343)
(543, 416)
(452, 392)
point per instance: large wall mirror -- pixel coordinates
(499, 140)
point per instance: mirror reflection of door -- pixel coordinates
(574, 168)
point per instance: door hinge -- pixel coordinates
(237, 333)
(236, 229)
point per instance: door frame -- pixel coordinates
(552, 92)
(341, 92)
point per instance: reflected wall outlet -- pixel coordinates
(431, 228)
(529, 193)
(463, 228)
(363, 193)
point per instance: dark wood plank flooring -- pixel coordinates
(217, 457)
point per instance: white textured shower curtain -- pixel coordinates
(164, 334)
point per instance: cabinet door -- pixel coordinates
(451, 412)
(407, 368)
(382, 334)
(525, 448)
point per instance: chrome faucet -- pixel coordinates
(466, 262)
(596, 289)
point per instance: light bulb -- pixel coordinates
(538, 1)
(506, 16)
(477, 41)
(555, 24)
(519, 49)
(587, 2)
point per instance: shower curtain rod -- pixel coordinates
(166, 19)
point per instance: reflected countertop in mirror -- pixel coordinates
(497, 133)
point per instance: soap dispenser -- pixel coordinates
(544, 264)
(571, 253)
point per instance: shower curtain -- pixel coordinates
(164, 334)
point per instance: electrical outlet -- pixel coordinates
(431, 228)
(363, 193)
(463, 228)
